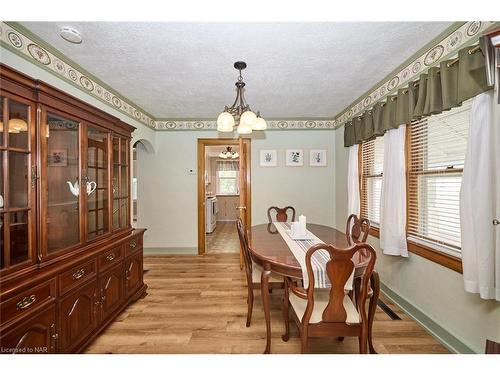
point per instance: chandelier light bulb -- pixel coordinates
(259, 124)
(225, 122)
(244, 128)
(247, 119)
(18, 124)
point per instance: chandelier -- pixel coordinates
(229, 154)
(239, 114)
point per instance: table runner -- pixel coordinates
(319, 259)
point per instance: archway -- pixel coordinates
(140, 146)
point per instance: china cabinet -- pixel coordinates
(70, 261)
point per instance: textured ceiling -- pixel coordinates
(295, 70)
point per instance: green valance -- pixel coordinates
(377, 112)
(349, 136)
(439, 89)
(357, 122)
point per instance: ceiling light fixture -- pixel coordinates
(239, 114)
(229, 154)
(16, 125)
(71, 35)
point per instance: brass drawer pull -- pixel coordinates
(78, 274)
(133, 244)
(26, 302)
(110, 257)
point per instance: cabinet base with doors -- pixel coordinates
(70, 261)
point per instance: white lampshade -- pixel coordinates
(222, 155)
(259, 124)
(235, 155)
(248, 118)
(17, 124)
(244, 128)
(225, 122)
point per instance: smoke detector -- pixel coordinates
(71, 35)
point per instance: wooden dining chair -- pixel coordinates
(281, 213)
(492, 347)
(253, 271)
(330, 311)
(357, 229)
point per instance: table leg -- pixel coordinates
(375, 285)
(264, 284)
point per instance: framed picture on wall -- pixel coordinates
(58, 158)
(268, 158)
(317, 158)
(294, 158)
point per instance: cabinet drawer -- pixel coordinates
(77, 275)
(110, 258)
(133, 244)
(27, 301)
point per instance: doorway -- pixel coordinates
(223, 193)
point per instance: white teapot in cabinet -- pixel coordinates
(75, 187)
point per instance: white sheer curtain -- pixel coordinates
(353, 206)
(228, 165)
(393, 195)
(480, 200)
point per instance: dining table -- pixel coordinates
(269, 250)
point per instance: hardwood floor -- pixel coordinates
(198, 305)
(224, 239)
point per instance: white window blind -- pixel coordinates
(437, 149)
(372, 159)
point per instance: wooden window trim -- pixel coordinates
(449, 261)
(436, 256)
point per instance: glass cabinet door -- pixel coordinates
(97, 182)
(62, 185)
(121, 177)
(17, 184)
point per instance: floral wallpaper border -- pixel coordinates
(271, 125)
(17, 41)
(468, 33)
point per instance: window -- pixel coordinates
(372, 159)
(227, 182)
(437, 147)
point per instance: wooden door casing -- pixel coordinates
(202, 143)
(245, 194)
(111, 291)
(35, 336)
(78, 316)
(133, 274)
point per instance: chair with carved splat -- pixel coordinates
(252, 270)
(281, 213)
(330, 311)
(357, 229)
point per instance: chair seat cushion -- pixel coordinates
(257, 272)
(320, 302)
